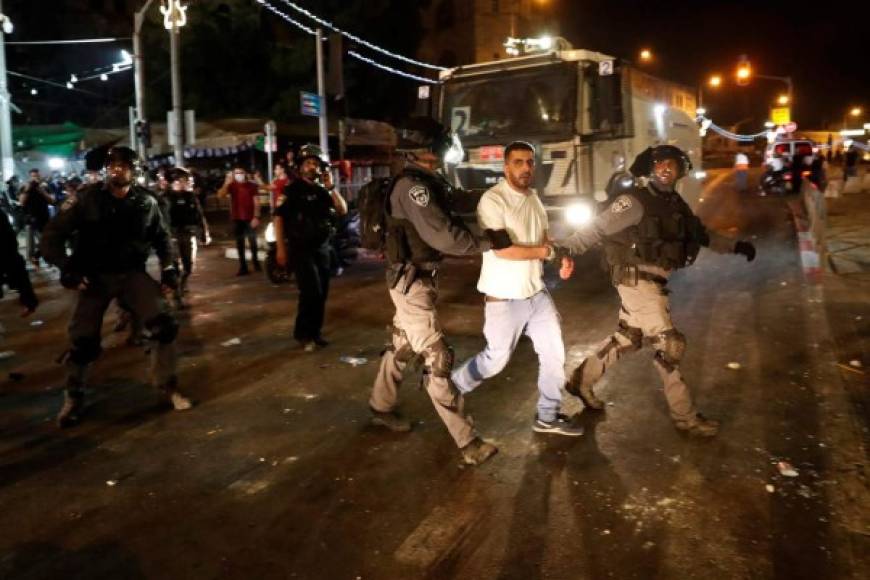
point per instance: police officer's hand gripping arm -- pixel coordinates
(435, 227)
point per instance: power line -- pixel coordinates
(357, 39)
(75, 41)
(358, 56)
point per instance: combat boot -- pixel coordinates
(70, 412)
(478, 451)
(391, 421)
(179, 401)
(698, 426)
(585, 394)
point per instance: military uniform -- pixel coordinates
(111, 240)
(647, 234)
(187, 223)
(308, 215)
(420, 230)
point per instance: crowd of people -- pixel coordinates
(105, 231)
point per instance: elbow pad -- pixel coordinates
(499, 239)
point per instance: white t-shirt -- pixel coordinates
(525, 220)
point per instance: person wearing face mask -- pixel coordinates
(647, 233)
(112, 228)
(245, 214)
(305, 221)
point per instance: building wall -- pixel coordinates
(461, 32)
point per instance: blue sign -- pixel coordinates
(310, 104)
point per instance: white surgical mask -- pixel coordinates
(238, 177)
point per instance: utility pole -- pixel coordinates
(177, 134)
(139, 78)
(8, 164)
(321, 92)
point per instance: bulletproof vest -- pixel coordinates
(404, 244)
(310, 217)
(114, 235)
(183, 210)
(668, 236)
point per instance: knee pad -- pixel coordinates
(670, 347)
(85, 350)
(632, 334)
(163, 328)
(439, 357)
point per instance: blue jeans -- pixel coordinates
(507, 320)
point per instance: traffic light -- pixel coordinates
(744, 71)
(143, 132)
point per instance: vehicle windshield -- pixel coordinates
(539, 102)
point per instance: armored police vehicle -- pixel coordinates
(588, 114)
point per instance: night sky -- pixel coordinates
(824, 47)
(825, 51)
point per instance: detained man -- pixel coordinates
(516, 299)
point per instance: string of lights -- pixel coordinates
(48, 82)
(295, 23)
(706, 123)
(355, 38)
(72, 41)
(351, 53)
(384, 67)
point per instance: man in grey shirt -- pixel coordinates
(420, 230)
(647, 233)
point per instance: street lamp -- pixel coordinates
(856, 111)
(646, 55)
(174, 17)
(783, 100)
(715, 81)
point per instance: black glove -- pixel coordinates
(28, 300)
(745, 248)
(169, 277)
(70, 279)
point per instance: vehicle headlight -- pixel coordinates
(699, 175)
(270, 233)
(579, 214)
(455, 153)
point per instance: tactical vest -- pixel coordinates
(668, 236)
(404, 244)
(183, 211)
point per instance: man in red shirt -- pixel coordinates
(245, 213)
(280, 181)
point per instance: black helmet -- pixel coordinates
(424, 133)
(643, 163)
(311, 150)
(176, 173)
(121, 155)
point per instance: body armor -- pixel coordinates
(668, 236)
(404, 243)
(184, 212)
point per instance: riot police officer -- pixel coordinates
(648, 232)
(113, 226)
(305, 221)
(420, 230)
(187, 223)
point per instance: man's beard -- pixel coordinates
(119, 182)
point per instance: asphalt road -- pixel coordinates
(276, 473)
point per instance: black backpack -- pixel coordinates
(373, 204)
